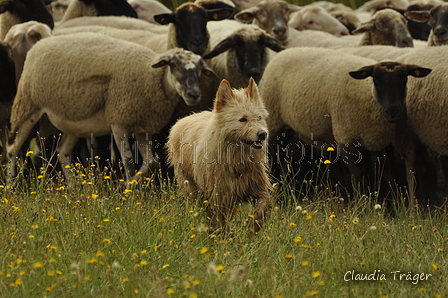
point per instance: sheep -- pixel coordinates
(316, 18)
(81, 8)
(105, 85)
(319, 101)
(437, 19)
(19, 11)
(120, 22)
(387, 27)
(21, 38)
(270, 15)
(376, 5)
(187, 28)
(243, 4)
(58, 8)
(417, 29)
(147, 9)
(246, 55)
(7, 92)
(426, 108)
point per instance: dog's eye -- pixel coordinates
(243, 120)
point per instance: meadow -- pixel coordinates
(94, 237)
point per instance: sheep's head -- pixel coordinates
(190, 21)
(183, 73)
(317, 18)
(390, 85)
(270, 15)
(387, 27)
(249, 45)
(437, 18)
(419, 30)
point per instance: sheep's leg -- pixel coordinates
(65, 148)
(144, 143)
(121, 137)
(16, 142)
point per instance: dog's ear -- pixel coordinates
(223, 96)
(252, 90)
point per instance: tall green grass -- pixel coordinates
(94, 238)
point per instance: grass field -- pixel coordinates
(94, 238)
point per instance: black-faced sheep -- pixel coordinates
(319, 99)
(106, 86)
(417, 29)
(270, 15)
(82, 8)
(7, 92)
(19, 11)
(437, 18)
(245, 55)
(316, 18)
(426, 107)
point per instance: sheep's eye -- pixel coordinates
(310, 22)
(243, 120)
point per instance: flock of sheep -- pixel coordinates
(360, 81)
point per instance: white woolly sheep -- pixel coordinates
(319, 100)
(313, 17)
(437, 19)
(387, 27)
(245, 55)
(147, 9)
(21, 38)
(105, 85)
(82, 8)
(270, 15)
(19, 11)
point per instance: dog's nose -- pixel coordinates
(262, 135)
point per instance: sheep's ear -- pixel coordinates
(364, 27)
(5, 6)
(273, 43)
(417, 71)
(252, 89)
(247, 15)
(362, 73)
(220, 13)
(34, 35)
(165, 18)
(207, 71)
(221, 47)
(293, 8)
(223, 96)
(163, 62)
(421, 16)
